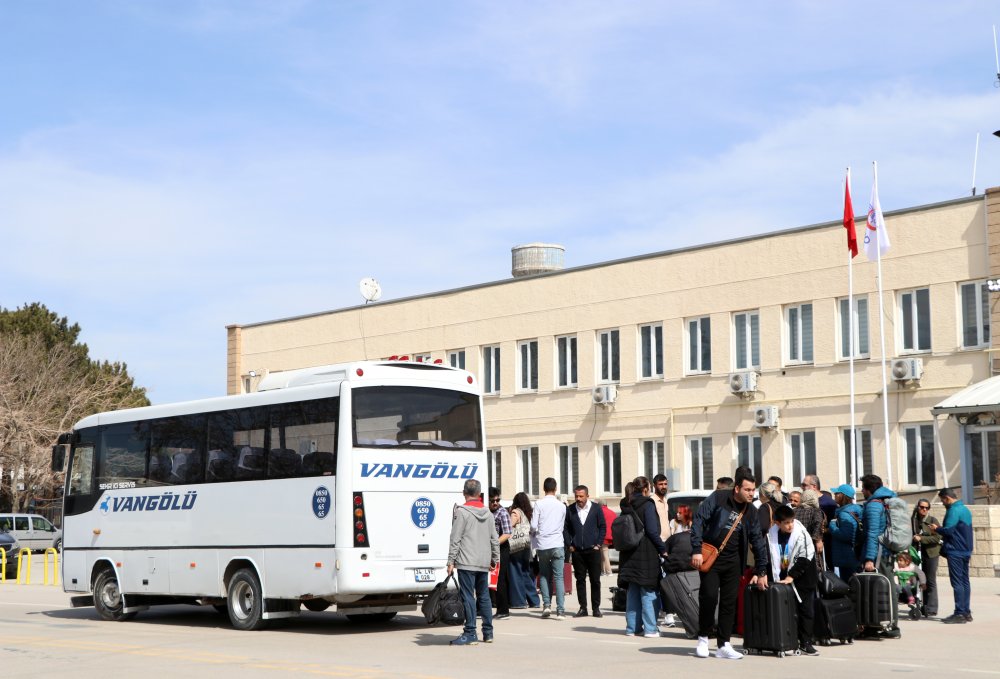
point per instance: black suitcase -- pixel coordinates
(618, 597)
(835, 619)
(874, 600)
(681, 591)
(770, 621)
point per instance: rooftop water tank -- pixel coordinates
(536, 258)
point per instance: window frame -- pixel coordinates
(702, 475)
(527, 376)
(919, 429)
(611, 468)
(850, 463)
(568, 466)
(650, 352)
(609, 357)
(799, 461)
(456, 358)
(982, 320)
(652, 457)
(494, 465)
(843, 327)
(795, 335)
(754, 455)
(751, 328)
(566, 361)
(491, 370)
(531, 470)
(694, 328)
(915, 321)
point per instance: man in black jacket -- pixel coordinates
(726, 512)
(585, 530)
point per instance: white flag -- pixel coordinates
(875, 231)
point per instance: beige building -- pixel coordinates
(692, 361)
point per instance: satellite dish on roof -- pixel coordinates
(370, 290)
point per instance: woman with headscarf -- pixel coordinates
(770, 499)
(811, 516)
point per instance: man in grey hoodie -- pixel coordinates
(474, 549)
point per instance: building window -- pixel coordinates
(493, 468)
(860, 327)
(920, 455)
(609, 355)
(422, 358)
(915, 319)
(803, 445)
(456, 359)
(569, 468)
(528, 365)
(702, 474)
(528, 467)
(652, 459)
(749, 453)
(975, 315)
(651, 339)
(800, 333)
(566, 356)
(247, 384)
(746, 331)
(491, 370)
(700, 345)
(985, 452)
(611, 463)
(859, 463)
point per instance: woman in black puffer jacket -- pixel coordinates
(639, 568)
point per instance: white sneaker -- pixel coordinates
(559, 616)
(670, 620)
(728, 652)
(652, 635)
(546, 612)
(701, 650)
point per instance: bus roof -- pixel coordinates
(293, 385)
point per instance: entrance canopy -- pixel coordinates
(979, 398)
(977, 410)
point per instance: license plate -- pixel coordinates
(423, 574)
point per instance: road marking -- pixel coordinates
(900, 664)
(564, 638)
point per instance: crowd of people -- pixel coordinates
(742, 534)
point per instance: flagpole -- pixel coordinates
(881, 332)
(851, 345)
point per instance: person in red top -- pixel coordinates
(609, 516)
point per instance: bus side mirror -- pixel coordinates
(58, 457)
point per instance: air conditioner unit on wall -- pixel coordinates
(907, 369)
(605, 394)
(743, 383)
(765, 417)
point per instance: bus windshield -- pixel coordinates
(407, 417)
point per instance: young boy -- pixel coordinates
(793, 562)
(909, 576)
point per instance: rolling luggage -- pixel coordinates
(835, 619)
(618, 599)
(874, 600)
(770, 622)
(681, 591)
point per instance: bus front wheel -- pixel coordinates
(246, 605)
(108, 598)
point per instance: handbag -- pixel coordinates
(709, 553)
(830, 586)
(444, 605)
(520, 537)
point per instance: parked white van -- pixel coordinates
(32, 531)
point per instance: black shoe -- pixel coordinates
(893, 633)
(501, 616)
(597, 613)
(808, 649)
(968, 617)
(582, 613)
(955, 619)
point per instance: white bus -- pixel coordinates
(329, 487)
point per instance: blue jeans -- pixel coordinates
(958, 573)
(550, 567)
(640, 608)
(475, 588)
(522, 583)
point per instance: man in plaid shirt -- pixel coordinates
(501, 597)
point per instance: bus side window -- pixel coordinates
(81, 472)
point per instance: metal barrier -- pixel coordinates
(55, 566)
(3, 565)
(20, 566)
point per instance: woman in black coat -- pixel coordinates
(639, 568)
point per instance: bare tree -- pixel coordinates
(44, 388)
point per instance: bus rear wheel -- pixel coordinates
(371, 617)
(108, 599)
(245, 602)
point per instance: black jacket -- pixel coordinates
(712, 522)
(642, 564)
(590, 534)
(678, 553)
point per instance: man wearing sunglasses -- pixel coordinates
(929, 544)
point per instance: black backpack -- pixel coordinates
(444, 605)
(626, 531)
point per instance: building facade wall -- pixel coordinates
(937, 248)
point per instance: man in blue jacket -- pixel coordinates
(874, 555)
(844, 531)
(956, 536)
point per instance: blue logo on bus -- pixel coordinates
(422, 512)
(166, 502)
(441, 470)
(321, 502)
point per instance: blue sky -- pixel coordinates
(170, 167)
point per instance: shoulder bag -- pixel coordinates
(709, 553)
(520, 536)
